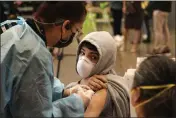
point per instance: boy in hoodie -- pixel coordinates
(96, 56)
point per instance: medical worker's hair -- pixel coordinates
(155, 71)
(53, 11)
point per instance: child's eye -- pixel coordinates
(94, 58)
(82, 53)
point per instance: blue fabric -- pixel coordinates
(27, 85)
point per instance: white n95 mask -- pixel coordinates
(84, 66)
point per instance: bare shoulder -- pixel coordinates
(100, 96)
(96, 104)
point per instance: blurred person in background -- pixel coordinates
(161, 10)
(154, 88)
(117, 14)
(133, 20)
(116, 10)
(3, 16)
(8, 10)
(146, 27)
(90, 21)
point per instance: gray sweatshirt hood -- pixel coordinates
(107, 49)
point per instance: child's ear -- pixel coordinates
(135, 96)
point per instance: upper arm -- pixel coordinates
(96, 104)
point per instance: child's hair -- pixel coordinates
(88, 45)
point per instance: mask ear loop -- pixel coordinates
(61, 34)
(167, 87)
(61, 37)
(59, 22)
(56, 23)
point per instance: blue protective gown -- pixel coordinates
(27, 84)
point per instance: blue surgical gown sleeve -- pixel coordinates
(58, 88)
(35, 91)
(28, 84)
(63, 107)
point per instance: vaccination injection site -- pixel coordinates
(109, 59)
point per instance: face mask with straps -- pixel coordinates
(165, 87)
(62, 42)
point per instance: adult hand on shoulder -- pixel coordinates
(97, 82)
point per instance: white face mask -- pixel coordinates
(84, 66)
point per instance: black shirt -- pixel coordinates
(31, 23)
(160, 5)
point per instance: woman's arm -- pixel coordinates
(96, 104)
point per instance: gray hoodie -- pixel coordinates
(117, 101)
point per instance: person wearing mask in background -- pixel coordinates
(133, 20)
(96, 56)
(27, 84)
(161, 10)
(154, 88)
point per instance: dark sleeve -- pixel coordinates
(151, 6)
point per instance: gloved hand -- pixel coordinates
(86, 96)
(78, 87)
(75, 89)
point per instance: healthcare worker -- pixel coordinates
(27, 84)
